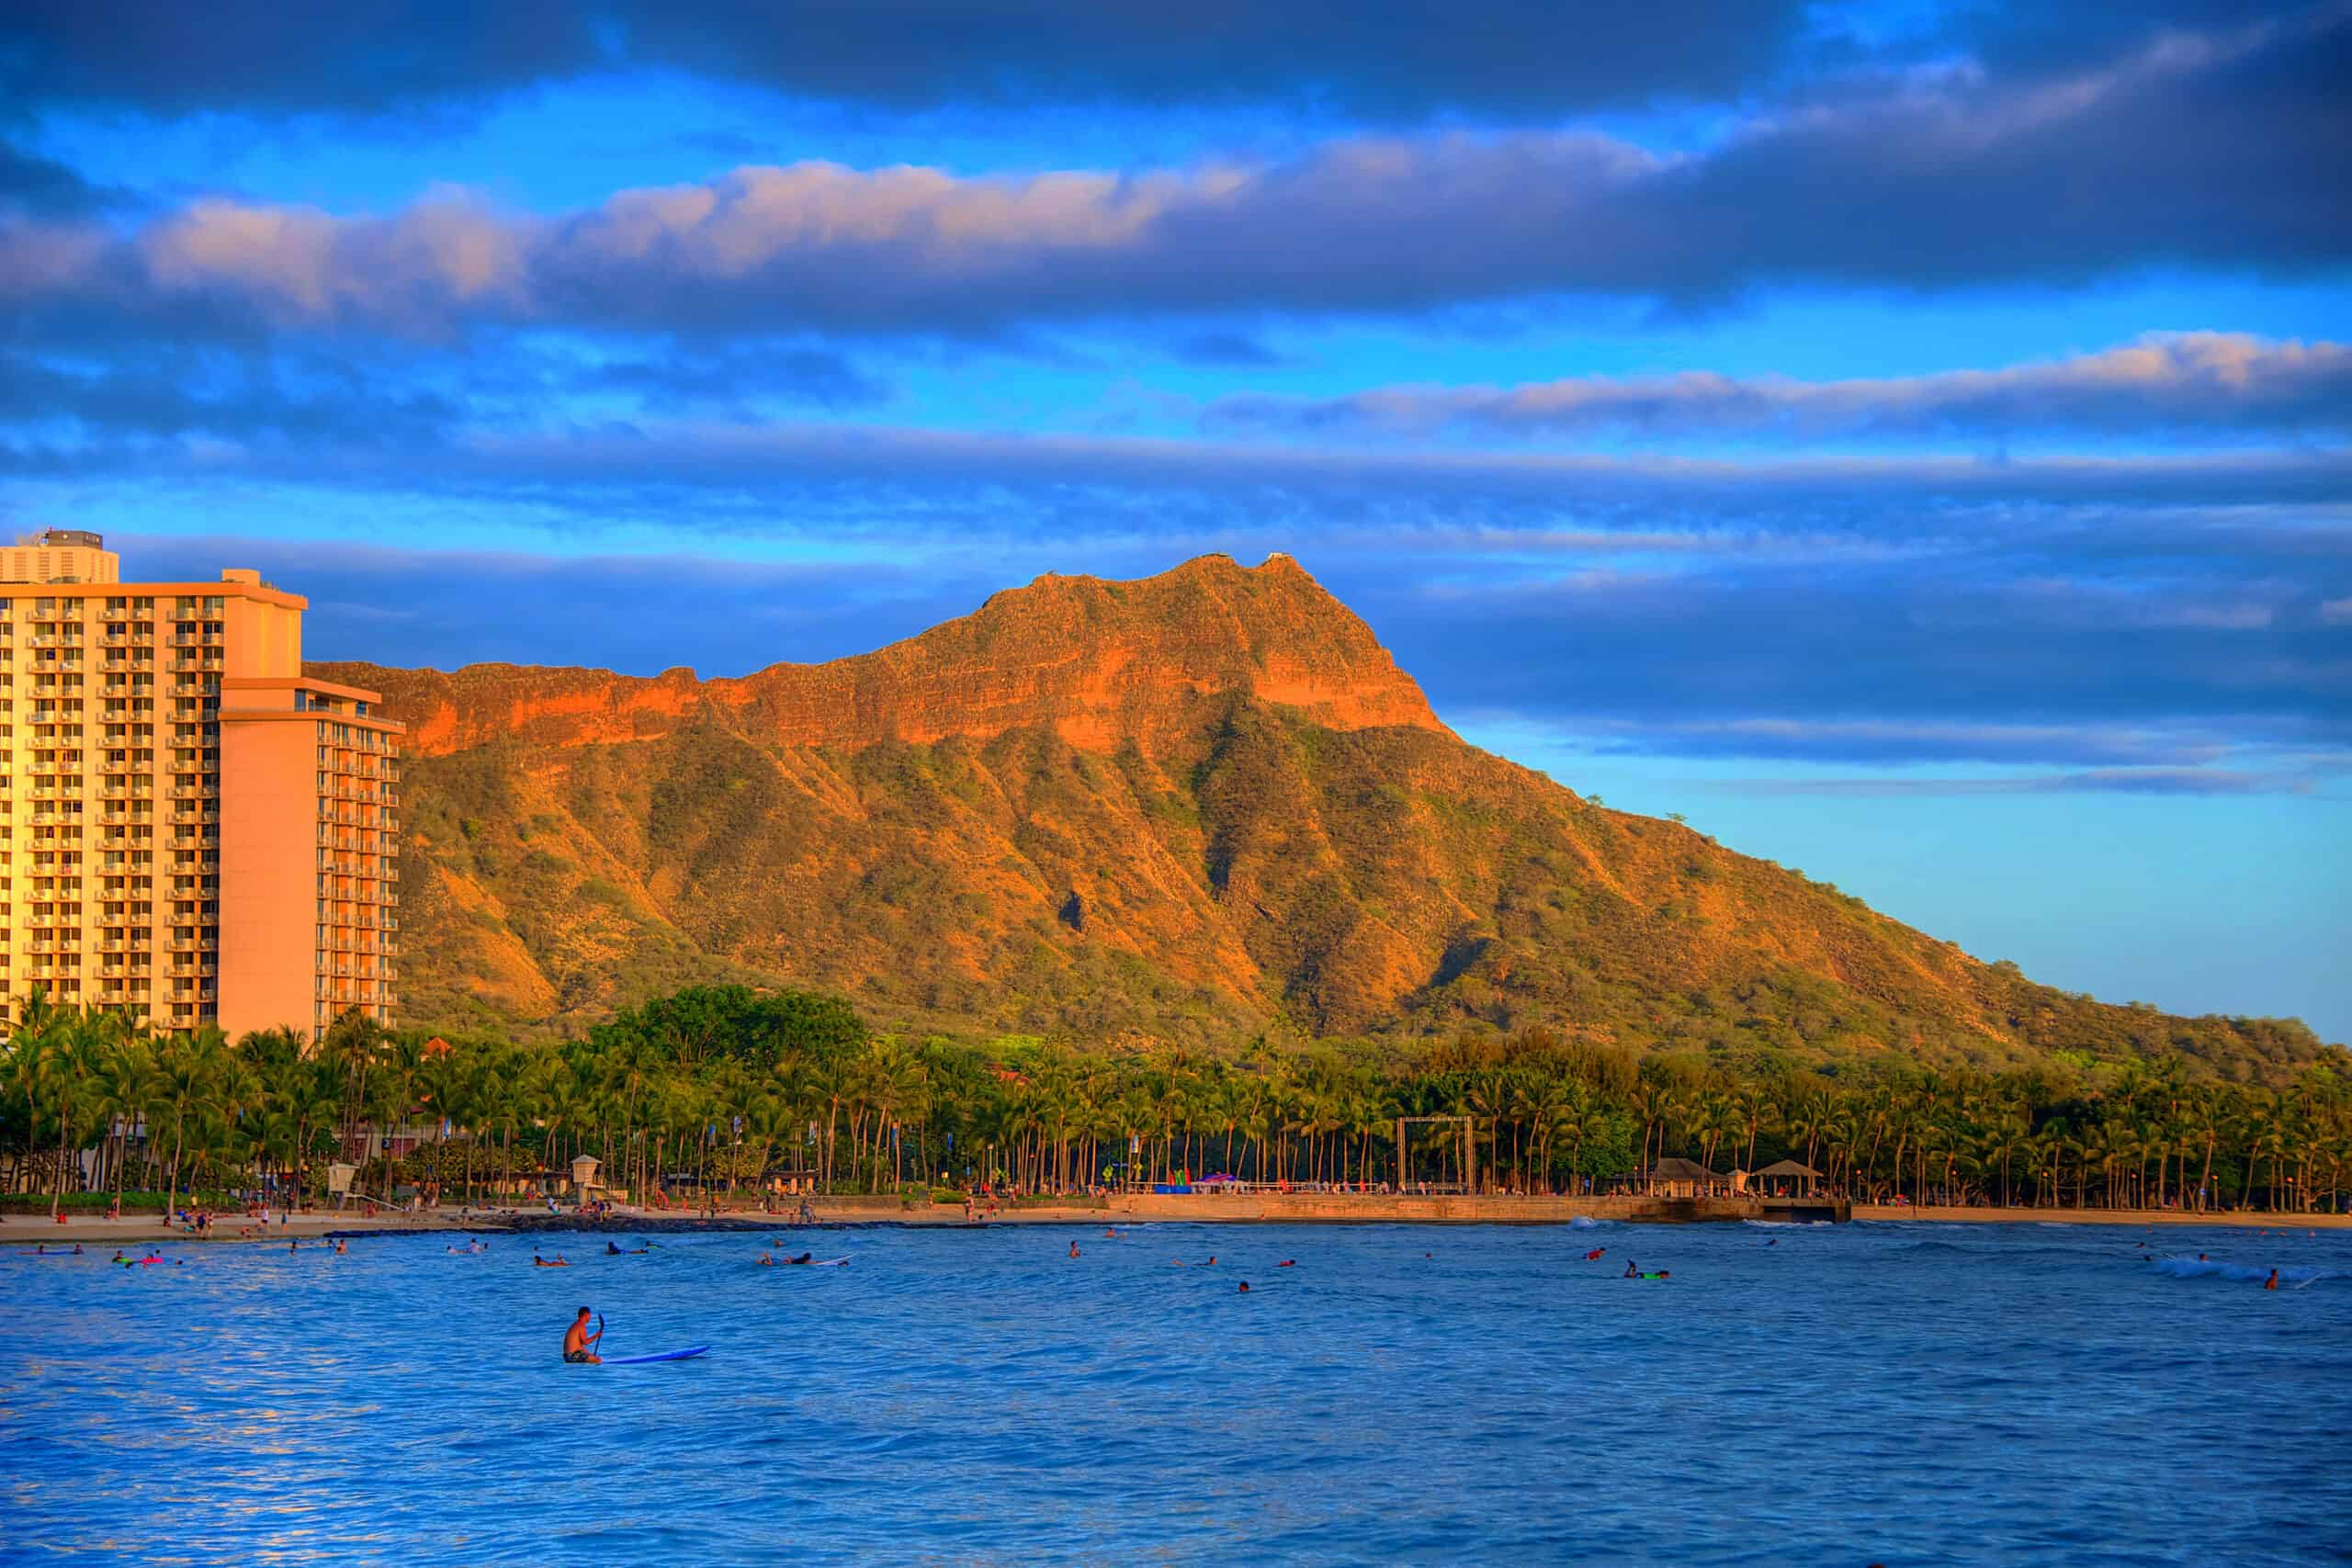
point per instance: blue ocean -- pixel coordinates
(1905, 1393)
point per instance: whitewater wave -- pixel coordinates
(1787, 1225)
(1587, 1223)
(2210, 1269)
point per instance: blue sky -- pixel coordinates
(1908, 439)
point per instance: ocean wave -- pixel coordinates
(1587, 1223)
(2210, 1269)
(1787, 1225)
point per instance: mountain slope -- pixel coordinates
(1192, 806)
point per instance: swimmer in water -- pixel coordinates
(1594, 1256)
(1245, 1287)
(804, 1257)
(1631, 1272)
(1073, 1249)
(766, 1261)
(1287, 1263)
(554, 1262)
(612, 1249)
(2272, 1282)
(341, 1248)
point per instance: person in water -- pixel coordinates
(578, 1345)
(1073, 1249)
(1245, 1287)
(2272, 1282)
(805, 1257)
(1594, 1256)
(1631, 1272)
(612, 1249)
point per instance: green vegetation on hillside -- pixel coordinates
(1271, 877)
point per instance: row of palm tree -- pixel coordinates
(717, 1088)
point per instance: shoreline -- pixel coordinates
(25, 1232)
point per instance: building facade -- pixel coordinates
(189, 827)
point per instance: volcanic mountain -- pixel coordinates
(1196, 807)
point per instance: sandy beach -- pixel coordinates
(26, 1231)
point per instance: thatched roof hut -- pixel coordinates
(1787, 1178)
(1683, 1178)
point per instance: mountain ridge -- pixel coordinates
(1198, 806)
(1304, 649)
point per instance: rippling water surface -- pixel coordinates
(1895, 1393)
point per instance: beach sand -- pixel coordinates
(26, 1231)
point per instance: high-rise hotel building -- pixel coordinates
(189, 827)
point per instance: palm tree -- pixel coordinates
(191, 1084)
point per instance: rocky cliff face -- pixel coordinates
(1194, 807)
(1101, 665)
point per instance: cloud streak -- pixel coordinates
(2098, 781)
(2216, 153)
(1376, 57)
(2165, 383)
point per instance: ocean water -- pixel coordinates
(1793, 1394)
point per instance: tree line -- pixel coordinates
(724, 1088)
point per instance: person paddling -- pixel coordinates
(578, 1345)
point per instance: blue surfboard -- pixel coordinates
(661, 1356)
